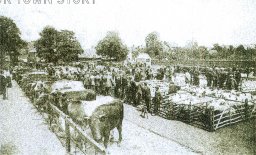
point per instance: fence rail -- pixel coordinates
(70, 123)
(204, 116)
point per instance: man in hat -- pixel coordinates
(124, 83)
(3, 84)
(222, 78)
(209, 76)
(230, 83)
(117, 86)
(147, 97)
(237, 76)
(138, 95)
(215, 78)
(157, 100)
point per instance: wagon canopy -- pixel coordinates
(37, 76)
(73, 89)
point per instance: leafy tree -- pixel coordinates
(10, 41)
(203, 53)
(153, 44)
(112, 47)
(47, 43)
(217, 47)
(231, 49)
(240, 50)
(55, 45)
(68, 48)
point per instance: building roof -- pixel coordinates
(213, 51)
(143, 56)
(89, 53)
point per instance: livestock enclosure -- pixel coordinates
(209, 63)
(204, 116)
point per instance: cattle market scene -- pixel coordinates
(68, 89)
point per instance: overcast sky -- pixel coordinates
(177, 21)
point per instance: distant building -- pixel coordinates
(213, 52)
(32, 55)
(89, 54)
(129, 59)
(144, 58)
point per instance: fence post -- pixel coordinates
(67, 129)
(171, 114)
(211, 118)
(246, 109)
(49, 109)
(189, 113)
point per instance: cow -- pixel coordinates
(101, 115)
(105, 118)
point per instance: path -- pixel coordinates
(23, 130)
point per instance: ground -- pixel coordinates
(236, 139)
(23, 131)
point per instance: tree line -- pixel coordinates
(62, 46)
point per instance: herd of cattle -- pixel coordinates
(101, 113)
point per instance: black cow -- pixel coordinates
(105, 118)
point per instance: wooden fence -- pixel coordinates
(204, 116)
(94, 147)
(233, 115)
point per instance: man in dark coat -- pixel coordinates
(3, 84)
(133, 91)
(215, 78)
(157, 100)
(117, 87)
(209, 77)
(237, 78)
(124, 83)
(138, 95)
(196, 77)
(222, 78)
(147, 97)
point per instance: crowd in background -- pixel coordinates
(128, 81)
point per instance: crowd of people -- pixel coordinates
(129, 82)
(221, 78)
(125, 82)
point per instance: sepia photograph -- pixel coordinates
(127, 77)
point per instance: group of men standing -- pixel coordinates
(192, 77)
(121, 82)
(229, 78)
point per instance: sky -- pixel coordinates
(177, 21)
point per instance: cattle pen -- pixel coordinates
(204, 116)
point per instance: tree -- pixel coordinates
(11, 41)
(203, 53)
(240, 51)
(68, 48)
(217, 47)
(54, 45)
(46, 45)
(153, 44)
(112, 47)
